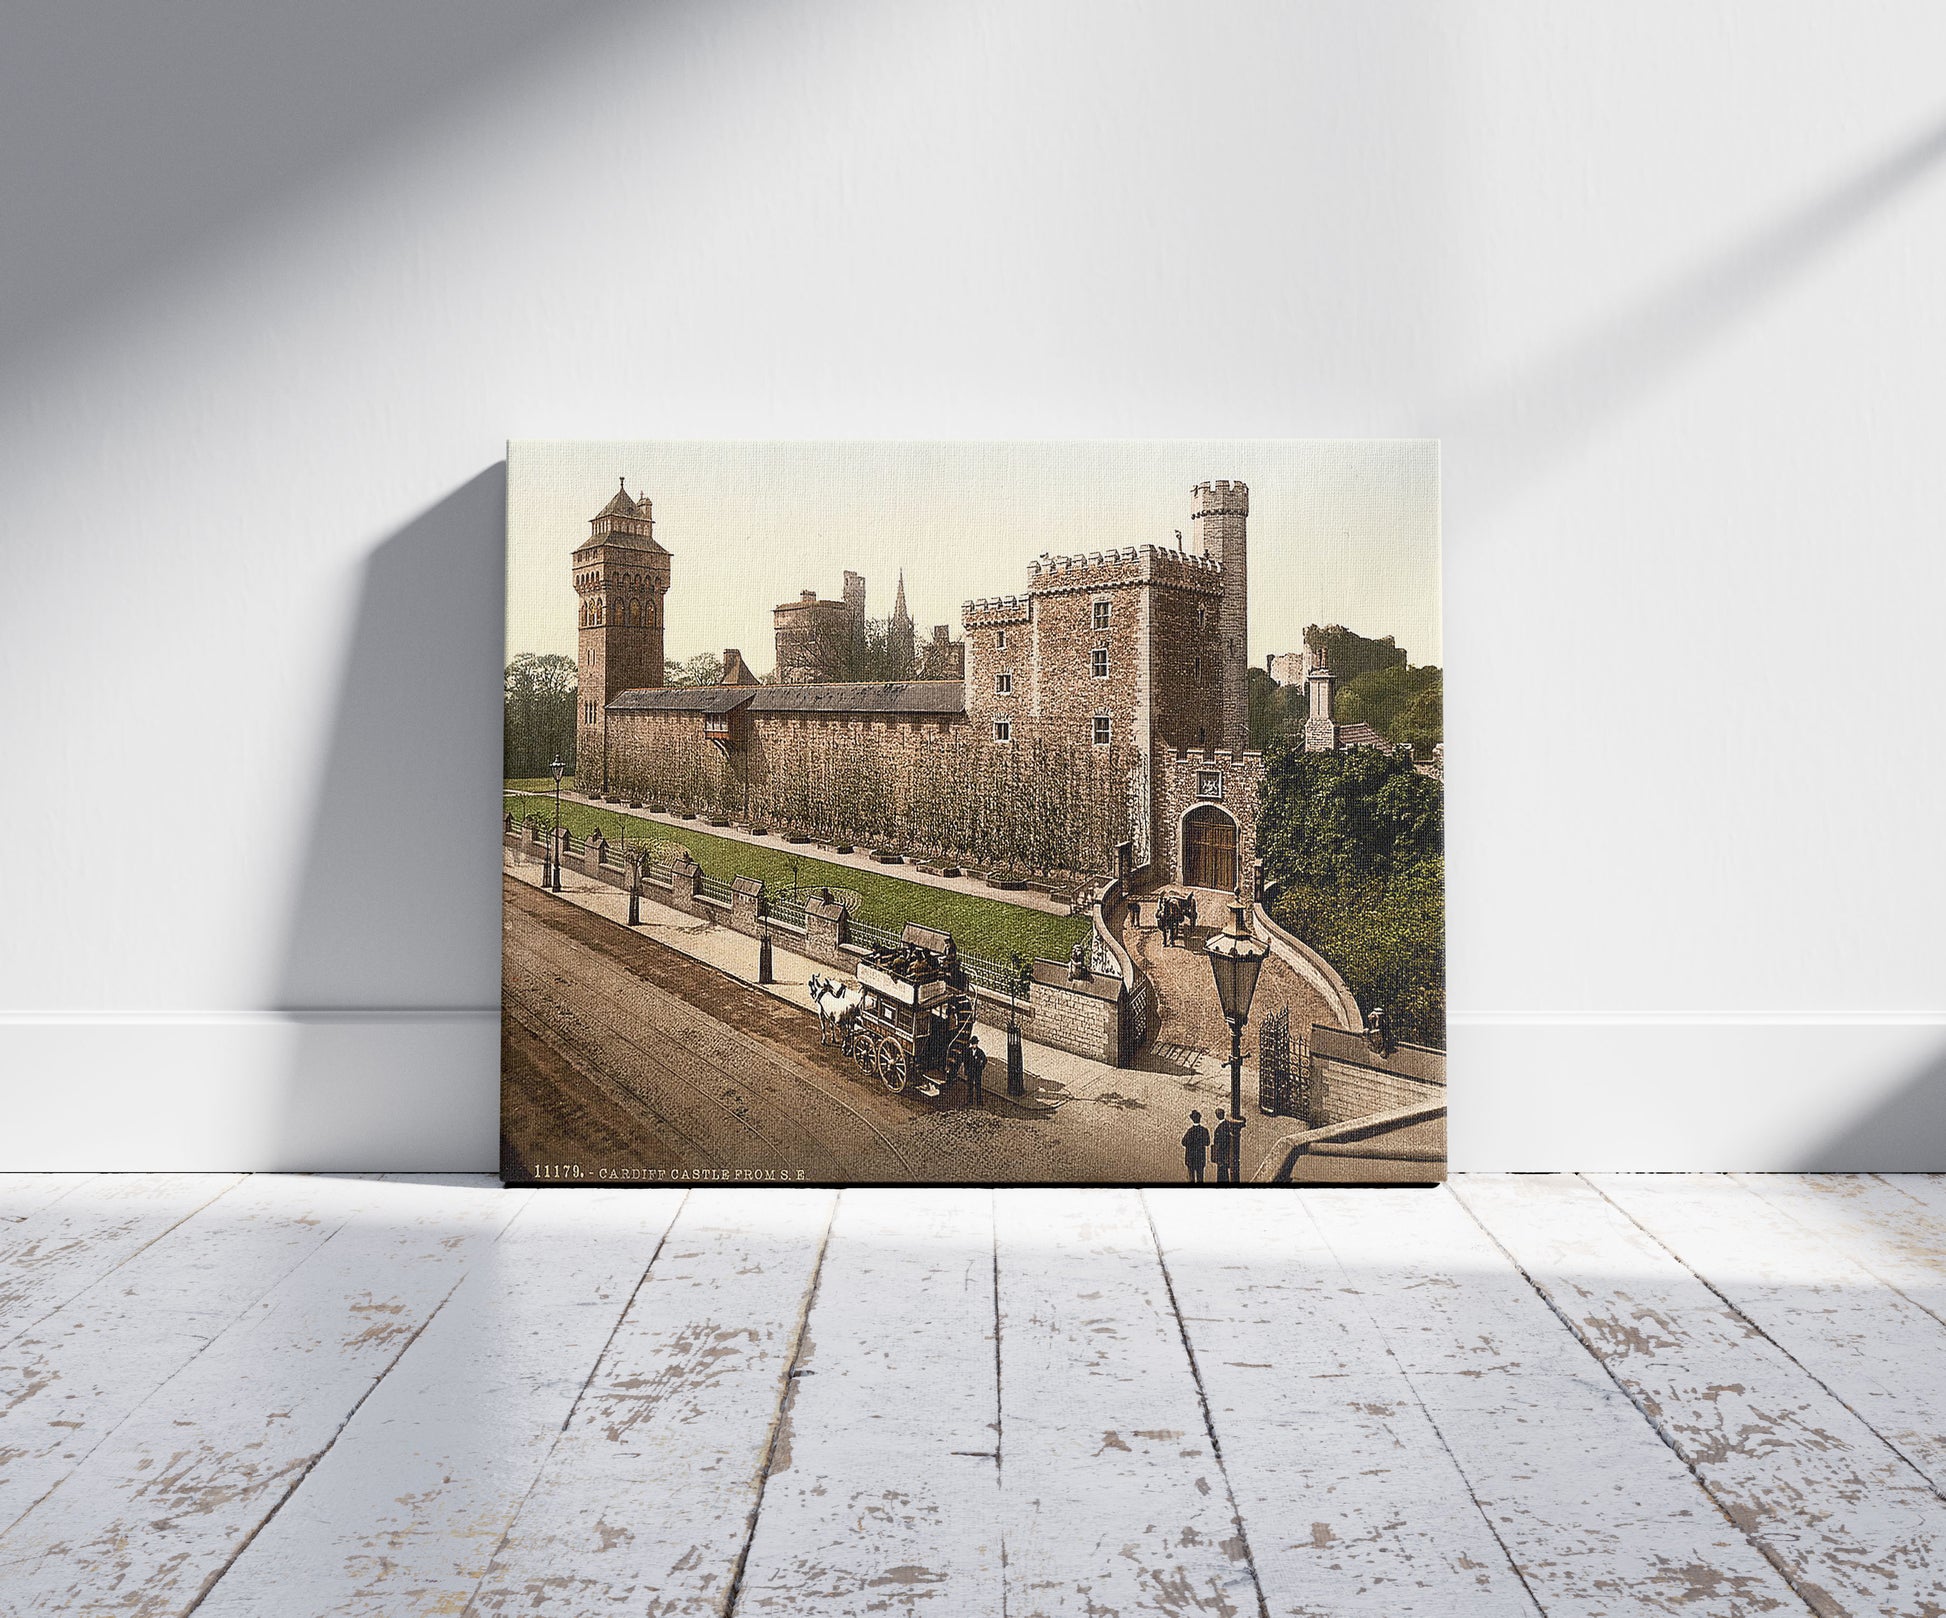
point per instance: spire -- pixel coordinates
(619, 504)
(902, 638)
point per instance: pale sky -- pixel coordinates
(1340, 532)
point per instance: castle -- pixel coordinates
(1094, 724)
(820, 641)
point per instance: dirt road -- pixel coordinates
(625, 1060)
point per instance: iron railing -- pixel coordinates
(788, 911)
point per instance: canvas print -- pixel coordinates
(1035, 813)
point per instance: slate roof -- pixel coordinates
(1362, 735)
(619, 505)
(942, 699)
(705, 699)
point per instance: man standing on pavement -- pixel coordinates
(976, 1066)
(1195, 1148)
(1228, 1148)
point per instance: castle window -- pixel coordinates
(1003, 730)
(1101, 615)
(1196, 668)
(1202, 617)
(1000, 640)
(1003, 684)
(1098, 662)
(1104, 729)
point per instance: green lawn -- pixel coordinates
(544, 784)
(990, 928)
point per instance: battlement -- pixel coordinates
(1221, 498)
(1129, 565)
(995, 610)
(1083, 562)
(1186, 567)
(1219, 755)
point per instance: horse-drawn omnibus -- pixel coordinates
(910, 1021)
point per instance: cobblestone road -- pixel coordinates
(623, 1053)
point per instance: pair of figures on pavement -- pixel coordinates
(1175, 915)
(1223, 1147)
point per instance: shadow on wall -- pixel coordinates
(181, 125)
(1517, 431)
(1904, 1133)
(392, 958)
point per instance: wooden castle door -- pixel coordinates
(1209, 849)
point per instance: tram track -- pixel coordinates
(638, 1021)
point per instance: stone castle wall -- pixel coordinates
(923, 785)
(1091, 760)
(1184, 782)
(1162, 638)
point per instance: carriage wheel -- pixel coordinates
(892, 1069)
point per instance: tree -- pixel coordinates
(705, 668)
(541, 699)
(1275, 710)
(1403, 705)
(1349, 654)
(1352, 846)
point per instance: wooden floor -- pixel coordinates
(1559, 1395)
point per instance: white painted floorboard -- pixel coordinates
(1597, 1514)
(1354, 1504)
(65, 1245)
(1531, 1395)
(159, 1509)
(1843, 1515)
(884, 1491)
(647, 1501)
(406, 1510)
(71, 1379)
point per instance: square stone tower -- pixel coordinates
(621, 576)
(1220, 516)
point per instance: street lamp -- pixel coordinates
(557, 767)
(1235, 957)
(1019, 982)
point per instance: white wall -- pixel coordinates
(280, 281)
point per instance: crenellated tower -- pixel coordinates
(1220, 515)
(620, 577)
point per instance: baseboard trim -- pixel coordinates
(287, 1090)
(405, 1088)
(281, 1017)
(1698, 1019)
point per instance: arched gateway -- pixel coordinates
(1209, 849)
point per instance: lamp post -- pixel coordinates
(1235, 957)
(1018, 981)
(557, 767)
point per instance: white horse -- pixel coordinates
(835, 1004)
